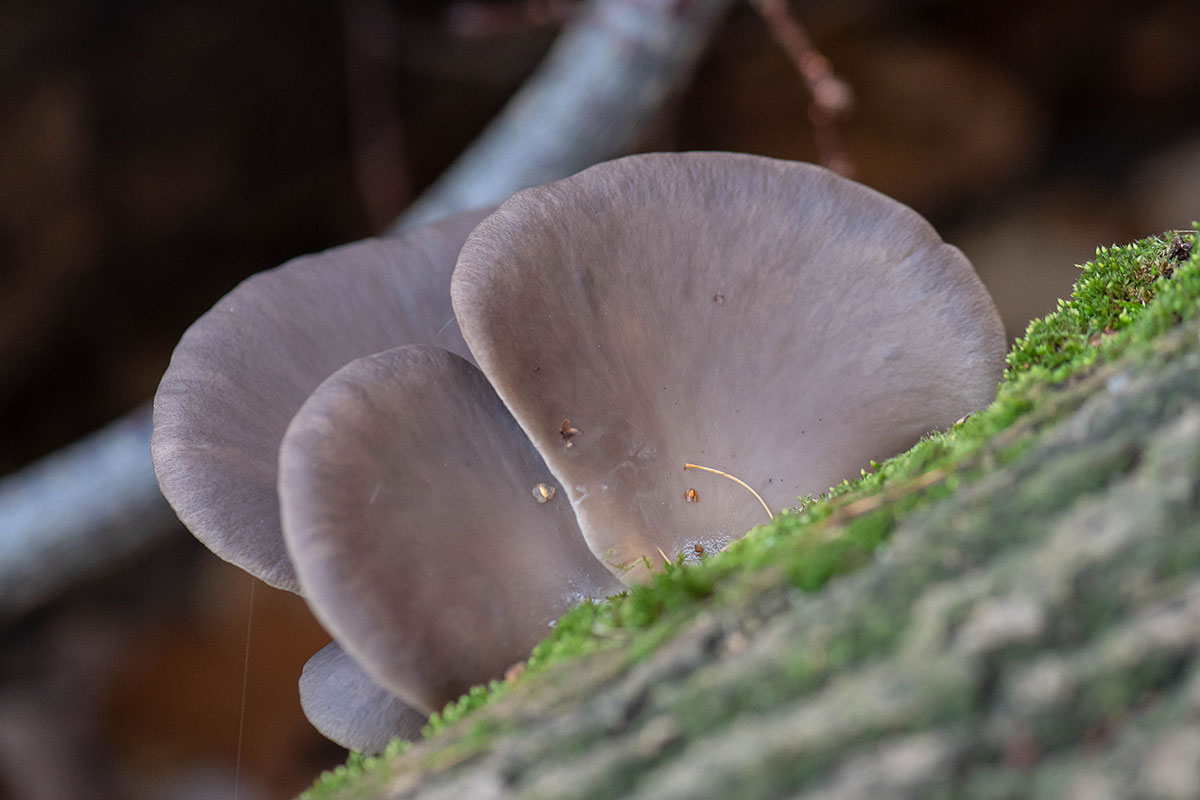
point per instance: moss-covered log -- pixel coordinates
(1028, 625)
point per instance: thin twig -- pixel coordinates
(832, 97)
(863, 505)
(739, 482)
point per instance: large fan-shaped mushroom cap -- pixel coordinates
(765, 318)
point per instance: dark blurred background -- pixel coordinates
(152, 154)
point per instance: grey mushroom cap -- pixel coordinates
(345, 705)
(765, 318)
(244, 368)
(411, 511)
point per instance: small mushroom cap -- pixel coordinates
(406, 493)
(345, 705)
(765, 318)
(242, 370)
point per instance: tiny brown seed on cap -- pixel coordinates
(568, 432)
(692, 496)
(698, 549)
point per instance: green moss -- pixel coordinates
(1122, 301)
(1109, 295)
(476, 698)
(361, 774)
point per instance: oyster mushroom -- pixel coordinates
(405, 489)
(238, 376)
(241, 371)
(764, 318)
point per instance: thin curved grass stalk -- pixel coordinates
(740, 482)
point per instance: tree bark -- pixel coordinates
(1034, 634)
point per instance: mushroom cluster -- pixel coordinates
(446, 440)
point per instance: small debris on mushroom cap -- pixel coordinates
(543, 493)
(568, 432)
(692, 496)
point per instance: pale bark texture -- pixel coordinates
(1034, 634)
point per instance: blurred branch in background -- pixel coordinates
(594, 97)
(78, 512)
(832, 97)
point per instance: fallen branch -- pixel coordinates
(79, 512)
